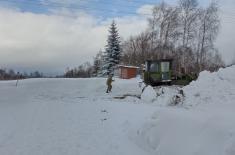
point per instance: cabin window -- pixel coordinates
(165, 66)
(146, 66)
(154, 67)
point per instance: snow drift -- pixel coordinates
(149, 94)
(210, 88)
(205, 129)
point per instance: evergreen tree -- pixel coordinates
(113, 50)
(97, 66)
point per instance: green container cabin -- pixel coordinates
(158, 72)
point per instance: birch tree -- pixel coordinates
(207, 33)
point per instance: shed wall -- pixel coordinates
(128, 73)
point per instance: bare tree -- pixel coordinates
(188, 19)
(137, 49)
(185, 33)
(97, 64)
(188, 15)
(129, 51)
(207, 33)
(163, 27)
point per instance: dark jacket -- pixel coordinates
(109, 81)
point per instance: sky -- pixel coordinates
(51, 35)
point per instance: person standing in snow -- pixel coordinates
(109, 83)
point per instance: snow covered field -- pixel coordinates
(77, 117)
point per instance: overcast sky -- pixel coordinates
(50, 35)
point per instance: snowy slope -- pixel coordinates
(205, 129)
(210, 88)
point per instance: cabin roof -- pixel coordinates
(160, 60)
(126, 66)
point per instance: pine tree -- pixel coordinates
(97, 64)
(113, 50)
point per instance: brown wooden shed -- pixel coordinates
(127, 72)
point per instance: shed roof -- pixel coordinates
(160, 60)
(126, 66)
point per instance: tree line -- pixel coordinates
(185, 33)
(83, 71)
(10, 74)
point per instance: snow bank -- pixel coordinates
(149, 94)
(209, 88)
(189, 132)
(206, 129)
(165, 95)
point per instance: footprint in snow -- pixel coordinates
(104, 111)
(104, 119)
